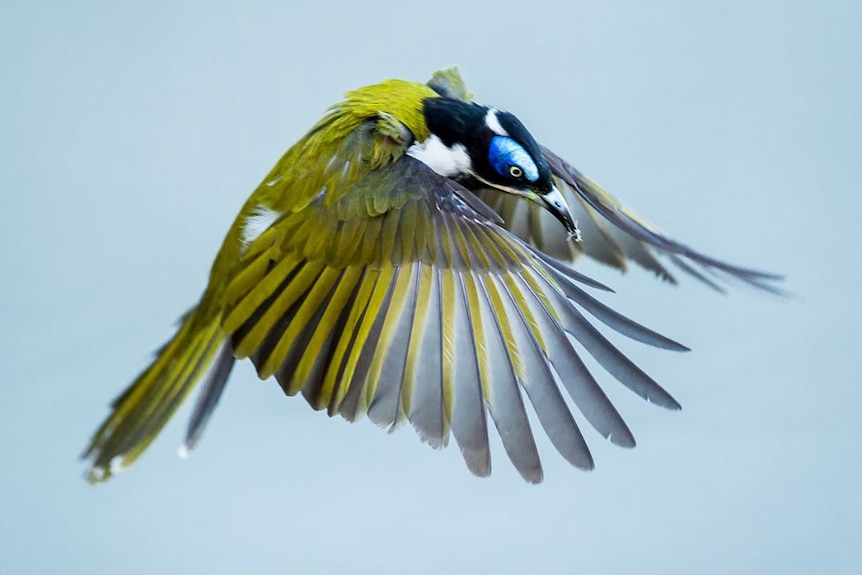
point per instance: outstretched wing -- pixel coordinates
(613, 234)
(404, 300)
(354, 138)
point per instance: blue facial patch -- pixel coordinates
(505, 152)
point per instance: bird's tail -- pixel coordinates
(143, 409)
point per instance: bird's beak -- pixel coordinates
(553, 202)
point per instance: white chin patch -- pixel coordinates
(446, 161)
(257, 223)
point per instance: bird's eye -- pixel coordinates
(510, 160)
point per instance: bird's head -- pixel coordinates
(480, 146)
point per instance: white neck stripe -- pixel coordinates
(493, 123)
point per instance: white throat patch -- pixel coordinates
(442, 159)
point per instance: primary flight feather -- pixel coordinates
(408, 260)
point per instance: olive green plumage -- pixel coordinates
(354, 139)
(360, 277)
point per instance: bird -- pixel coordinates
(411, 260)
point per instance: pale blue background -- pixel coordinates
(130, 134)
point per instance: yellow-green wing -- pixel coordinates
(372, 127)
(402, 299)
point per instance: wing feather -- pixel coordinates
(311, 368)
(309, 309)
(647, 237)
(576, 378)
(536, 378)
(612, 318)
(386, 376)
(339, 369)
(608, 356)
(424, 369)
(352, 402)
(498, 383)
(438, 317)
(461, 375)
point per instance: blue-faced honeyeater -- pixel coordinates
(409, 259)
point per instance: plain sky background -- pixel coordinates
(131, 133)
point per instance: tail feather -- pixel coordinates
(145, 407)
(210, 394)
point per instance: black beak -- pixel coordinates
(554, 203)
